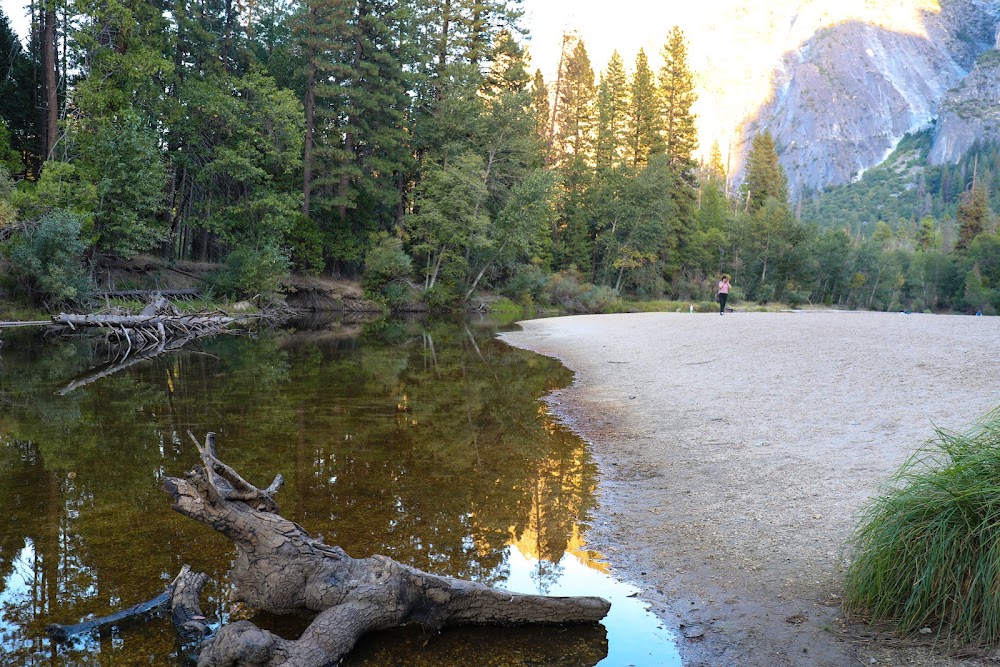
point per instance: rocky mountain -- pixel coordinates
(969, 111)
(841, 100)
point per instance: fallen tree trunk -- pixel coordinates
(281, 569)
(150, 321)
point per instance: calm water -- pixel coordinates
(424, 442)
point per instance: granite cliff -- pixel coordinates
(844, 97)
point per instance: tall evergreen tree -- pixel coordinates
(764, 177)
(612, 114)
(678, 94)
(644, 114)
(574, 155)
(540, 109)
(680, 139)
(16, 99)
(973, 216)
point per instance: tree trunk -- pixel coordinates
(343, 188)
(50, 81)
(279, 568)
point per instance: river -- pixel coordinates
(424, 441)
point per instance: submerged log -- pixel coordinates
(180, 597)
(281, 569)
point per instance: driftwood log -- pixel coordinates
(159, 325)
(281, 569)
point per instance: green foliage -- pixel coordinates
(8, 212)
(527, 283)
(251, 271)
(449, 220)
(62, 187)
(18, 113)
(927, 550)
(643, 125)
(765, 179)
(973, 214)
(49, 259)
(387, 269)
(10, 159)
(677, 90)
(305, 246)
(121, 157)
(568, 290)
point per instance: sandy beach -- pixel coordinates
(737, 450)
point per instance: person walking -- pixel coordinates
(723, 294)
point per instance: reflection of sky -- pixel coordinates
(16, 588)
(636, 637)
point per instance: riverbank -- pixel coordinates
(737, 450)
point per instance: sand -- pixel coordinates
(737, 450)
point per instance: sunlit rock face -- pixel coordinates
(969, 111)
(839, 83)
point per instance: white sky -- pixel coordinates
(17, 13)
(625, 25)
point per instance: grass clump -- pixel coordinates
(927, 552)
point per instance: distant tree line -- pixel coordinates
(406, 144)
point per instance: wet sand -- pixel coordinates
(737, 450)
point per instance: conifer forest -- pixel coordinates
(411, 145)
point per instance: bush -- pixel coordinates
(250, 271)
(567, 289)
(527, 283)
(387, 271)
(927, 553)
(48, 259)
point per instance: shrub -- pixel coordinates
(567, 289)
(527, 283)
(927, 552)
(48, 258)
(250, 271)
(387, 271)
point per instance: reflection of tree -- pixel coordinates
(422, 441)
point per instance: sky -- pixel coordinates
(633, 24)
(16, 13)
(603, 31)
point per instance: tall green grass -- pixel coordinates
(927, 552)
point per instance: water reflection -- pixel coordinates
(423, 442)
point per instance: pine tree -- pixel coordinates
(574, 154)
(715, 165)
(644, 114)
(678, 95)
(16, 98)
(540, 109)
(764, 176)
(612, 114)
(973, 216)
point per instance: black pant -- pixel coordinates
(722, 301)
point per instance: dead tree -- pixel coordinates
(281, 569)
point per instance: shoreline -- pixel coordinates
(735, 453)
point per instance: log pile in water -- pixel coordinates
(158, 325)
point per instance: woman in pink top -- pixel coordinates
(723, 294)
